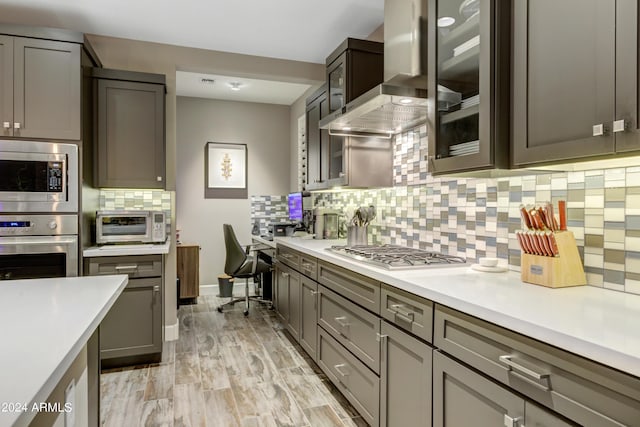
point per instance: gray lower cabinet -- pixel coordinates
(129, 126)
(462, 397)
(288, 298)
(132, 330)
(356, 382)
(405, 379)
(580, 390)
(308, 316)
(40, 87)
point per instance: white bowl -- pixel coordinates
(488, 262)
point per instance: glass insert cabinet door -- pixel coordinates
(462, 75)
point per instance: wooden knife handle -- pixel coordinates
(562, 211)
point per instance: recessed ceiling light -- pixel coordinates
(235, 85)
(207, 81)
(446, 21)
(346, 128)
(406, 101)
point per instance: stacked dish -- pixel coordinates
(464, 148)
(472, 42)
(470, 102)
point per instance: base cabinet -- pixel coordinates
(288, 298)
(131, 332)
(462, 397)
(308, 315)
(405, 379)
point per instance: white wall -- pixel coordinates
(265, 129)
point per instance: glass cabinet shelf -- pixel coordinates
(460, 114)
(462, 67)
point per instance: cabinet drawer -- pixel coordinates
(355, 381)
(352, 326)
(288, 256)
(309, 266)
(582, 390)
(409, 312)
(135, 266)
(353, 286)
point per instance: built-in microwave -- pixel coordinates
(38, 177)
(132, 226)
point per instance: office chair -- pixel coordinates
(242, 264)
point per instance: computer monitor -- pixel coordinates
(294, 202)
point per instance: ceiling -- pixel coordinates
(249, 90)
(301, 30)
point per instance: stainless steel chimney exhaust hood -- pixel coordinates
(400, 103)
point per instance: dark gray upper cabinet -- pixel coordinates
(353, 68)
(468, 75)
(317, 139)
(130, 129)
(40, 86)
(575, 87)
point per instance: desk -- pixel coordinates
(188, 264)
(267, 253)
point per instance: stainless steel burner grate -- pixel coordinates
(395, 257)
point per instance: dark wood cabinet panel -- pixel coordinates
(563, 80)
(40, 88)
(6, 85)
(188, 265)
(468, 73)
(130, 136)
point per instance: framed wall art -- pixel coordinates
(225, 167)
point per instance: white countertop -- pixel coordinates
(44, 324)
(270, 243)
(135, 249)
(596, 323)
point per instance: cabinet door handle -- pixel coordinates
(6, 125)
(619, 126)
(341, 175)
(407, 316)
(159, 178)
(307, 266)
(341, 320)
(507, 360)
(339, 367)
(285, 275)
(313, 292)
(16, 125)
(599, 130)
(512, 422)
(156, 288)
(127, 267)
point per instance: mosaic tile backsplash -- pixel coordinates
(478, 217)
(266, 210)
(153, 200)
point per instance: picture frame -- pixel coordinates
(226, 173)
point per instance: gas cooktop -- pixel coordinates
(393, 257)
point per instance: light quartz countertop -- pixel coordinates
(262, 240)
(136, 249)
(44, 324)
(599, 324)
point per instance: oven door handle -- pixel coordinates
(37, 240)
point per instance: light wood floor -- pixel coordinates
(225, 370)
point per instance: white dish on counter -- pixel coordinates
(489, 269)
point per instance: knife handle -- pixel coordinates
(562, 211)
(525, 217)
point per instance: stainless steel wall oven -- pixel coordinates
(38, 246)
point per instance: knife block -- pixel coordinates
(559, 271)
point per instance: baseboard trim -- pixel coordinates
(171, 332)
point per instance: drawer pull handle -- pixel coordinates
(407, 316)
(507, 360)
(285, 274)
(156, 289)
(380, 337)
(338, 368)
(313, 292)
(127, 267)
(307, 266)
(341, 320)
